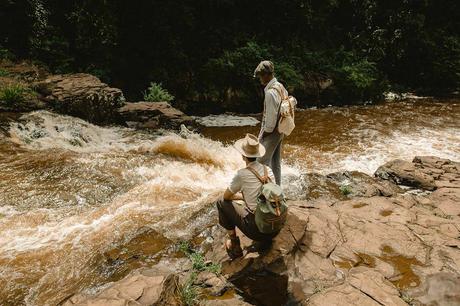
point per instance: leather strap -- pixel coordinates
(265, 179)
(279, 107)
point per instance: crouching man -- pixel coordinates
(245, 189)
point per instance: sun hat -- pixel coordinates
(249, 146)
(264, 67)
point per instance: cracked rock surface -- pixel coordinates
(379, 245)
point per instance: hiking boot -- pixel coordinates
(233, 247)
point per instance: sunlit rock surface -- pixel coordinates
(378, 247)
(145, 115)
(375, 245)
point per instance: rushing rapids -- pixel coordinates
(75, 198)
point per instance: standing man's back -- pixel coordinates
(269, 136)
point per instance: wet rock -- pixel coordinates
(143, 287)
(81, 95)
(425, 172)
(405, 173)
(341, 186)
(150, 115)
(362, 185)
(439, 289)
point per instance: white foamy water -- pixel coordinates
(161, 182)
(72, 194)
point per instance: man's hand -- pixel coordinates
(237, 197)
(230, 196)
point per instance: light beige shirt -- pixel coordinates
(246, 182)
(272, 102)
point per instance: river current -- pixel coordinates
(83, 205)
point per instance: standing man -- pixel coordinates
(269, 136)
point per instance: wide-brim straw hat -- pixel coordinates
(249, 146)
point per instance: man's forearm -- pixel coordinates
(237, 196)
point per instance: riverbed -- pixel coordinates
(82, 205)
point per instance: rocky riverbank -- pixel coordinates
(25, 87)
(391, 239)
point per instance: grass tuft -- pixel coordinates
(13, 94)
(156, 93)
(4, 73)
(188, 293)
(199, 263)
(345, 189)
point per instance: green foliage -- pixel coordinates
(156, 93)
(13, 94)
(356, 79)
(361, 45)
(188, 292)
(199, 263)
(229, 77)
(289, 75)
(345, 189)
(5, 54)
(4, 73)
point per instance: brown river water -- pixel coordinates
(82, 205)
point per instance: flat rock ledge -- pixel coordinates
(379, 244)
(152, 115)
(384, 245)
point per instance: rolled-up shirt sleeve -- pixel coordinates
(236, 184)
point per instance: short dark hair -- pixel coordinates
(251, 159)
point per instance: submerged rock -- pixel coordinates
(145, 115)
(81, 95)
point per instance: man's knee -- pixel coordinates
(221, 202)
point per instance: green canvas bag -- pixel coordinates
(271, 210)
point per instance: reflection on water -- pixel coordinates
(81, 205)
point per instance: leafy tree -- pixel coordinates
(204, 52)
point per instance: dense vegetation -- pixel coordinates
(204, 52)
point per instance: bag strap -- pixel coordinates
(291, 109)
(279, 107)
(265, 179)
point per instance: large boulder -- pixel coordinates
(152, 115)
(81, 95)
